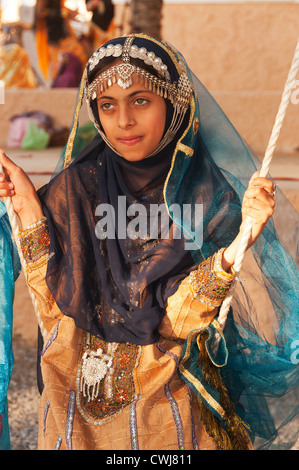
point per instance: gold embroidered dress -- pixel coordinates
(140, 402)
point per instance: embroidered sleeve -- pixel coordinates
(210, 283)
(35, 241)
(195, 304)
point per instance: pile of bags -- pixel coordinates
(36, 130)
(32, 130)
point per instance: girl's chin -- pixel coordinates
(133, 156)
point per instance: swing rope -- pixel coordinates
(289, 86)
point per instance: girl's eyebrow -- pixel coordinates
(129, 96)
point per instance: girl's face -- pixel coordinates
(133, 120)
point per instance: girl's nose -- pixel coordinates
(125, 117)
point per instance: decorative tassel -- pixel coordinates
(234, 435)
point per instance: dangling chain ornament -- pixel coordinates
(95, 365)
(122, 73)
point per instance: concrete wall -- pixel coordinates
(242, 53)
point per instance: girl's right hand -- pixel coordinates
(17, 185)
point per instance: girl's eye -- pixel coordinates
(106, 106)
(141, 101)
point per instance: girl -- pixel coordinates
(130, 251)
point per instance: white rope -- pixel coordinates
(15, 226)
(289, 86)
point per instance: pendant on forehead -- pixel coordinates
(125, 72)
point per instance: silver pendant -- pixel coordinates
(95, 366)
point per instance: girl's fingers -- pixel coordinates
(259, 207)
(263, 183)
(259, 200)
(261, 193)
(6, 163)
(6, 187)
(6, 192)
(258, 210)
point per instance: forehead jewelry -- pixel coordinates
(179, 93)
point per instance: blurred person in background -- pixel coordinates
(102, 26)
(57, 45)
(15, 67)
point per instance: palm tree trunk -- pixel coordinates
(146, 17)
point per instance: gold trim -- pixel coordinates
(202, 391)
(195, 125)
(179, 143)
(34, 266)
(196, 383)
(135, 373)
(70, 142)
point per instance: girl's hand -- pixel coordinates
(18, 186)
(258, 203)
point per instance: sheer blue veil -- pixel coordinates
(9, 271)
(262, 331)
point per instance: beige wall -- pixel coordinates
(242, 53)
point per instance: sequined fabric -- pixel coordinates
(210, 282)
(117, 389)
(35, 242)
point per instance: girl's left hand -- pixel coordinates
(258, 203)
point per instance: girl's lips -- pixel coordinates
(130, 140)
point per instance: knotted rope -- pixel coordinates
(289, 86)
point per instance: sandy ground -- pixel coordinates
(23, 393)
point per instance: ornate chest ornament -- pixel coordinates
(105, 378)
(95, 365)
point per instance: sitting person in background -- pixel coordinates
(55, 38)
(102, 26)
(15, 67)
